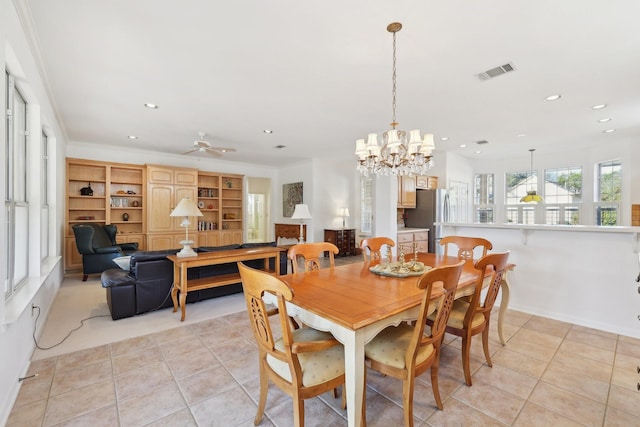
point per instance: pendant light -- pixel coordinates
(532, 196)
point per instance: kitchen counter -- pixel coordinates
(411, 230)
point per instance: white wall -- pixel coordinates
(581, 277)
(16, 342)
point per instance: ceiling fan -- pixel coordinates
(203, 146)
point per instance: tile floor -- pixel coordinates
(550, 373)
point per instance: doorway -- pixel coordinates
(258, 208)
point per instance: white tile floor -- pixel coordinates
(155, 370)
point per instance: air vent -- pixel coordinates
(482, 142)
(495, 72)
(280, 146)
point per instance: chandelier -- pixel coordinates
(399, 154)
(532, 196)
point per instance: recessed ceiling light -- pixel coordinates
(478, 152)
(604, 120)
(444, 138)
(598, 107)
(132, 137)
(463, 145)
(150, 105)
(280, 146)
(520, 135)
(553, 97)
(267, 131)
(609, 130)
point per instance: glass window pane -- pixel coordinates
(517, 185)
(483, 189)
(19, 147)
(484, 215)
(609, 181)
(366, 204)
(563, 185)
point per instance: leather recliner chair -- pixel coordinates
(97, 244)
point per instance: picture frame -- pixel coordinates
(291, 196)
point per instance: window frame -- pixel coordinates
(599, 205)
(16, 188)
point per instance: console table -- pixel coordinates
(182, 264)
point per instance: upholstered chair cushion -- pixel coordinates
(458, 311)
(318, 366)
(390, 347)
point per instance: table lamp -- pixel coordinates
(186, 208)
(301, 212)
(344, 213)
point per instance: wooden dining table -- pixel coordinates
(355, 304)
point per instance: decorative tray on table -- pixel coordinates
(399, 269)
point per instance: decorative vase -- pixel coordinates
(125, 216)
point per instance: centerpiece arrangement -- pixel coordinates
(401, 268)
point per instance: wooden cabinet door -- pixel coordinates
(209, 238)
(407, 192)
(230, 237)
(156, 242)
(186, 177)
(132, 238)
(161, 203)
(432, 183)
(422, 182)
(72, 258)
(159, 174)
(184, 193)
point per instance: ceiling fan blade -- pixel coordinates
(223, 149)
(214, 153)
(191, 151)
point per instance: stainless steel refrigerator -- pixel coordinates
(431, 206)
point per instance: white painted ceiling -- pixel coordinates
(318, 73)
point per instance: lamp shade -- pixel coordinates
(344, 212)
(301, 212)
(186, 207)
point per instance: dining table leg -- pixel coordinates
(353, 342)
(504, 302)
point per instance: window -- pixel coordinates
(563, 195)
(608, 192)
(366, 205)
(16, 204)
(483, 197)
(44, 198)
(517, 184)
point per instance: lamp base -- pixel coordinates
(186, 250)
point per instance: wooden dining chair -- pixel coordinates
(304, 362)
(371, 247)
(465, 246)
(310, 254)
(404, 352)
(469, 318)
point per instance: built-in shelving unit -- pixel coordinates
(220, 199)
(104, 193)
